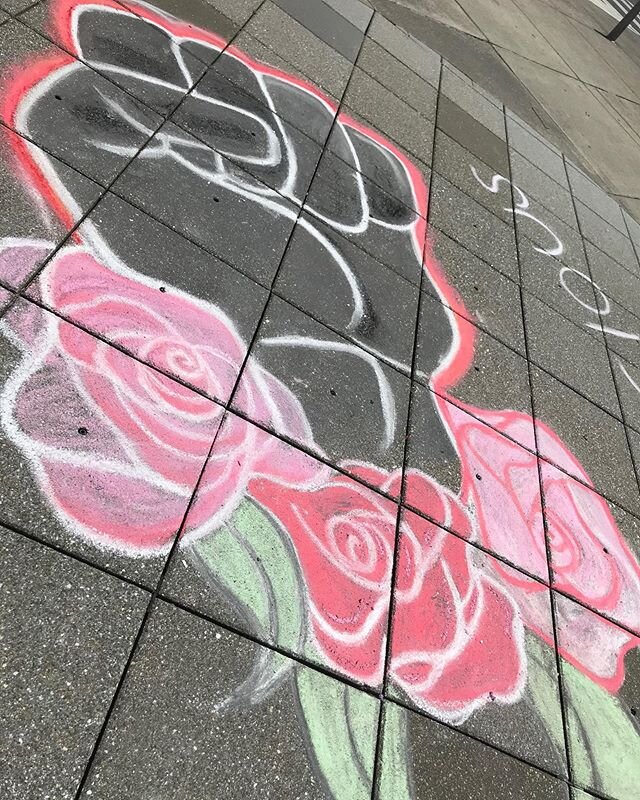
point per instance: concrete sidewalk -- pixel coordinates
(319, 413)
(547, 61)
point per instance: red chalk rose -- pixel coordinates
(456, 634)
(457, 637)
(343, 535)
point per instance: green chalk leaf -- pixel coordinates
(603, 738)
(542, 685)
(342, 725)
(251, 560)
(395, 778)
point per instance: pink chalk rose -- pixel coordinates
(589, 558)
(116, 445)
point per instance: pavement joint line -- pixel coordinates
(412, 38)
(342, 678)
(414, 359)
(569, 191)
(154, 594)
(136, 642)
(313, 453)
(149, 587)
(106, 188)
(283, 651)
(626, 425)
(390, 89)
(180, 102)
(548, 554)
(418, 161)
(16, 14)
(445, 396)
(293, 67)
(299, 130)
(531, 21)
(403, 470)
(290, 238)
(32, 537)
(157, 593)
(345, 22)
(43, 34)
(633, 244)
(169, 599)
(417, 710)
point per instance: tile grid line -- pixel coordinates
(298, 445)
(16, 14)
(354, 685)
(207, 67)
(634, 246)
(138, 100)
(377, 764)
(548, 554)
(284, 254)
(323, 459)
(154, 593)
(108, 189)
(376, 490)
(299, 659)
(105, 189)
(136, 642)
(25, 285)
(243, 415)
(547, 305)
(125, 167)
(615, 385)
(525, 235)
(45, 36)
(33, 277)
(626, 425)
(572, 23)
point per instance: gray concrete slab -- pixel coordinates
(382, 109)
(265, 246)
(421, 59)
(490, 299)
(67, 631)
(179, 699)
(398, 78)
(301, 48)
(583, 365)
(59, 459)
(457, 763)
(477, 229)
(582, 724)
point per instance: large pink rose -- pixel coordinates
(589, 557)
(457, 637)
(117, 446)
(344, 536)
(180, 335)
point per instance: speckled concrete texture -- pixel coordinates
(319, 409)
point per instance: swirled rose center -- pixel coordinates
(567, 554)
(179, 357)
(359, 542)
